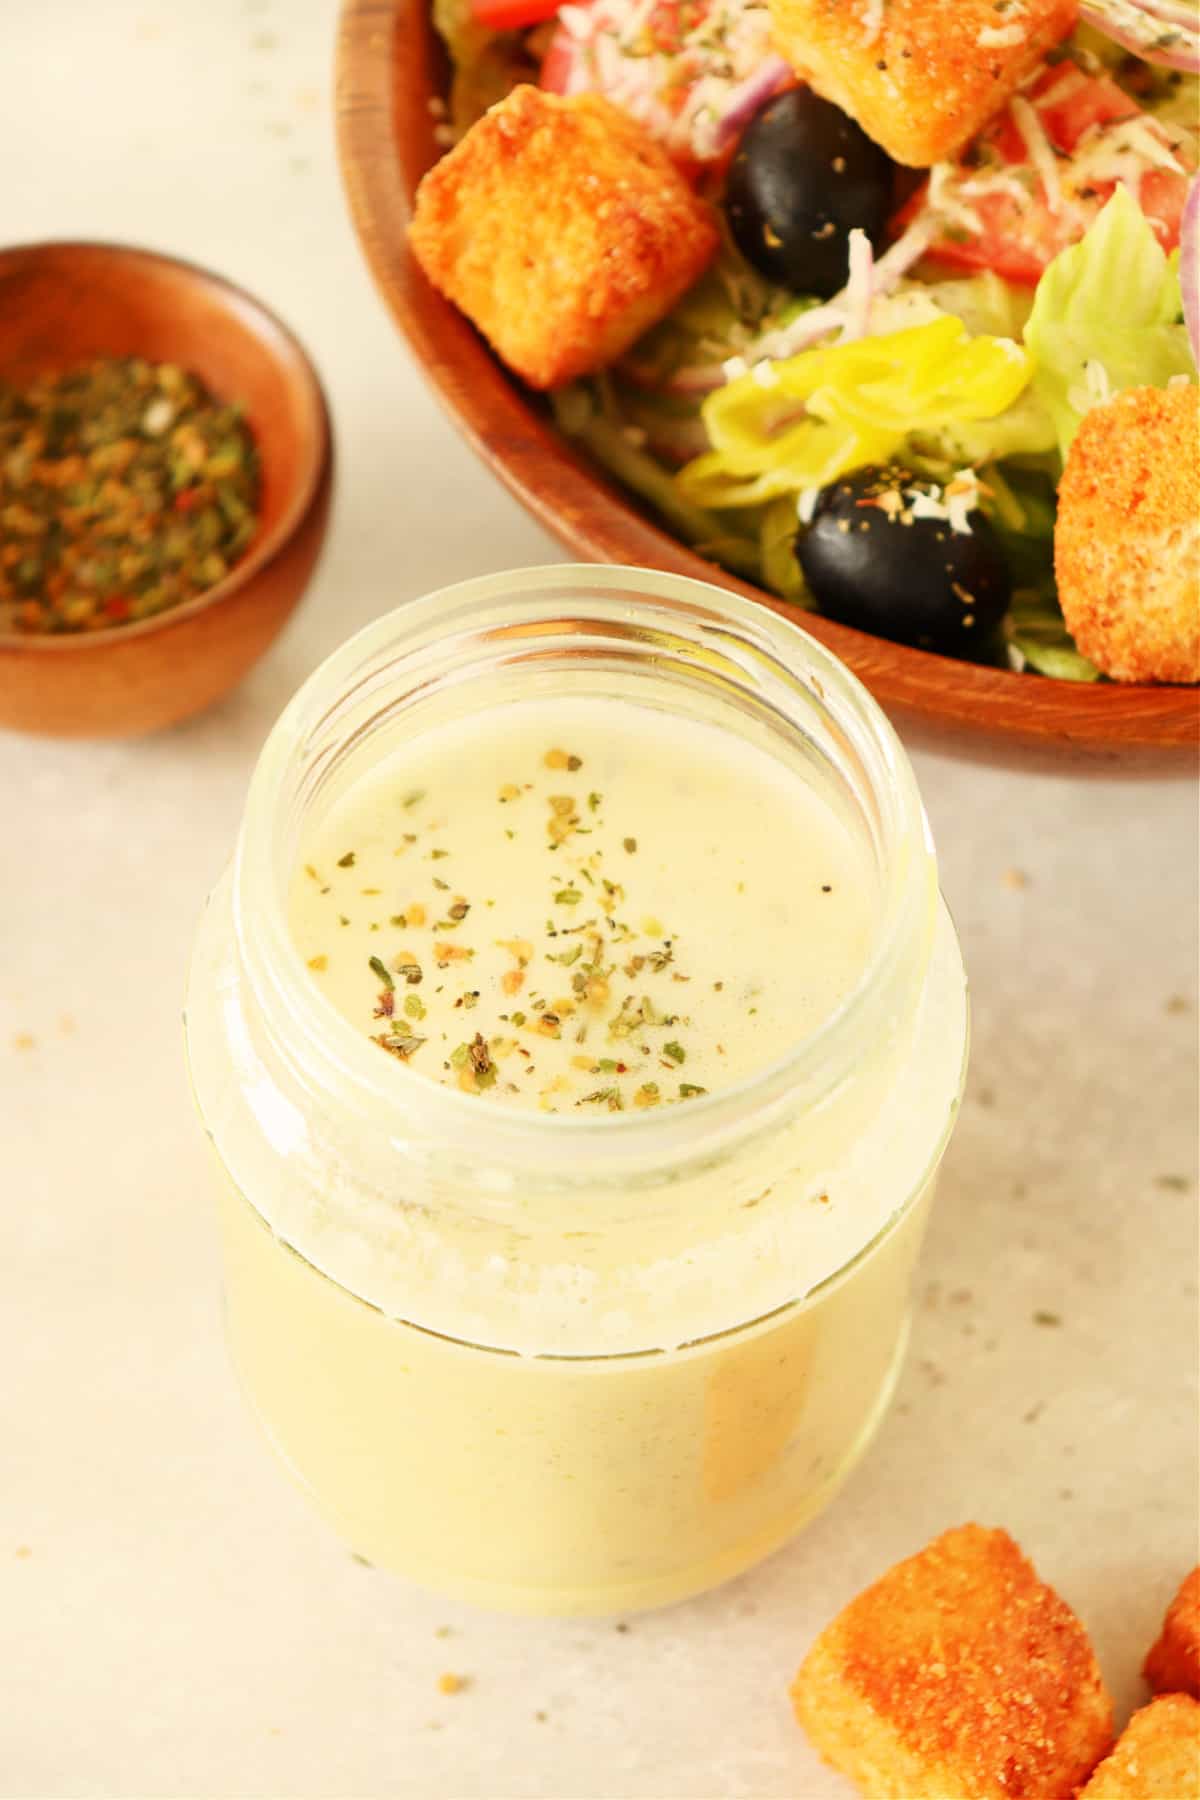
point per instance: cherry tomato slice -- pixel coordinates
(1021, 232)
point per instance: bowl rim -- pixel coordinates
(384, 55)
(316, 459)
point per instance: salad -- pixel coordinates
(925, 276)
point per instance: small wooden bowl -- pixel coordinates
(62, 303)
(390, 69)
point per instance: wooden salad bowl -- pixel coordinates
(390, 67)
(63, 303)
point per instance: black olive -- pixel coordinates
(803, 177)
(872, 562)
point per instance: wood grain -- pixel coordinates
(61, 303)
(389, 67)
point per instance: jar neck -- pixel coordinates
(674, 645)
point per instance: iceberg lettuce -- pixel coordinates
(1106, 316)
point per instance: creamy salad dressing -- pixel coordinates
(601, 1356)
(583, 907)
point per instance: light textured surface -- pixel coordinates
(173, 1621)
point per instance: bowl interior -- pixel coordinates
(63, 303)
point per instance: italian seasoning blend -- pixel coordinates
(126, 488)
(584, 908)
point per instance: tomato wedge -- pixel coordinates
(1033, 181)
(513, 15)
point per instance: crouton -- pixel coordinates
(1127, 540)
(562, 230)
(920, 76)
(1157, 1755)
(1173, 1664)
(958, 1673)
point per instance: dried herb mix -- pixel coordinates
(126, 488)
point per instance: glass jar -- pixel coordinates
(550, 1362)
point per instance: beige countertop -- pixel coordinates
(173, 1619)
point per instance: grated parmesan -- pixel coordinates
(679, 86)
(960, 498)
(1041, 152)
(948, 206)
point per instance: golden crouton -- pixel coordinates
(562, 230)
(1127, 540)
(1157, 1755)
(1173, 1664)
(959, 1674)
(920, 76)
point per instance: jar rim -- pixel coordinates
(721, 625)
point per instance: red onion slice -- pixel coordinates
(1155, 30)
(859, 290)
(1172, 13)
(745, 99)
(694, 378)
(1189, 265)
(847, 313)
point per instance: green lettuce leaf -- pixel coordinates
(1105, 317)
(988, 305)
(1023, 429)
(486, 65)
(1036, 633)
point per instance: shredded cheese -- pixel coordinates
(1141, 137)
(959, 499)
(1041, 152)
(677, 75)
(946, 204)
(1000, 180)
(1068, 83)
